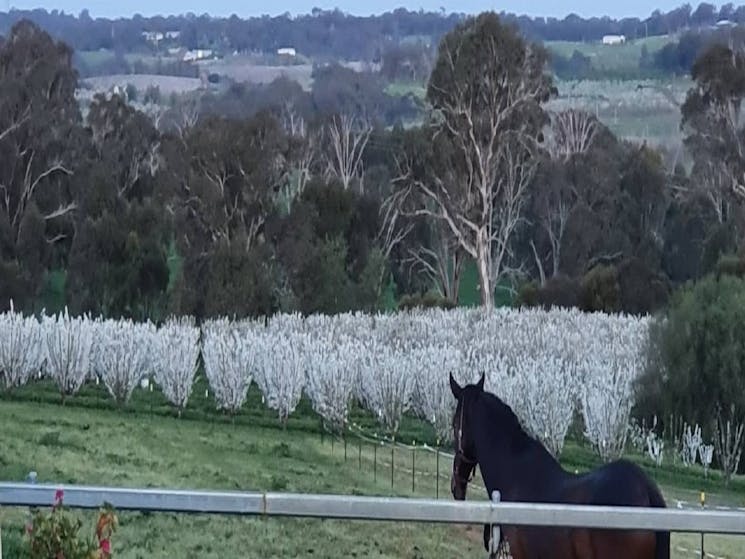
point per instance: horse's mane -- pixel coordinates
(509, 423)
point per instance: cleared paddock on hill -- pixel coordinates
(166, 84)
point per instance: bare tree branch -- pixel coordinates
(304, 154)
(571, 132)
(31, 183)
(16, 124)
(441, 265)
(186, 118)
(348, 138)
(539, 263)
(392, 231)
(61, 211)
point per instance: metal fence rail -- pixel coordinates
(377, 508)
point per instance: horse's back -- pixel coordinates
(618, 484)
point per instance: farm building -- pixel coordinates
(198, 54)
(614, 39)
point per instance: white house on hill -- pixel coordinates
(287, 51)
(199, 54)
(614, 39)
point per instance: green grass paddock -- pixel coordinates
(624, 57)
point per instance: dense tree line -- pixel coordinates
(679, 56)
(333, 34)
(285, 199)
(335, 89)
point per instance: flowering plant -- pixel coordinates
(56, 535)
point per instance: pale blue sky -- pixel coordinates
(556, 8)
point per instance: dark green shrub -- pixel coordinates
(720, 241)
(528, 294)
(642, 291)
(559, 291)
(427, 300)
(731, 265)
(600, 290)
(696, 360)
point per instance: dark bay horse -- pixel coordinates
(487, 433)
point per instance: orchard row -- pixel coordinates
(546, 365)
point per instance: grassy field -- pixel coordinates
(635, 109)
(89, 441)
(243, 69)
(166, 84)
(79, 445)
(399, 89)
(640, 110)
(96, 57)
(611, 58)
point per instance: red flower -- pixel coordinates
(105, 546)
(58, 496)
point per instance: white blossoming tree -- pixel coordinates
(282, 375)
(607, 399)
(123, 353)
(332, 374)
(691, 442)
(433, 399)
(387, 384)
(176, 356)
(707, 454)
(21, 348)
(545, 389)
(230, 360)
(655, 448)
(68, 346)
(729, 440)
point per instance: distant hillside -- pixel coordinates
(336, 35)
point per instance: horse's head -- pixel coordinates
(465, 459)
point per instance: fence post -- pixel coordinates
(495, 531)
(703, 505)
(393, 459)
(413, 464)
(437, 470)
(375, 461)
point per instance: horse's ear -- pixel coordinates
(455, 387)
(480, 383)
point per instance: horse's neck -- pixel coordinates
(518, 469)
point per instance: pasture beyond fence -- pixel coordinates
(347, 507)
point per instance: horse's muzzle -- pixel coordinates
(458, 488)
